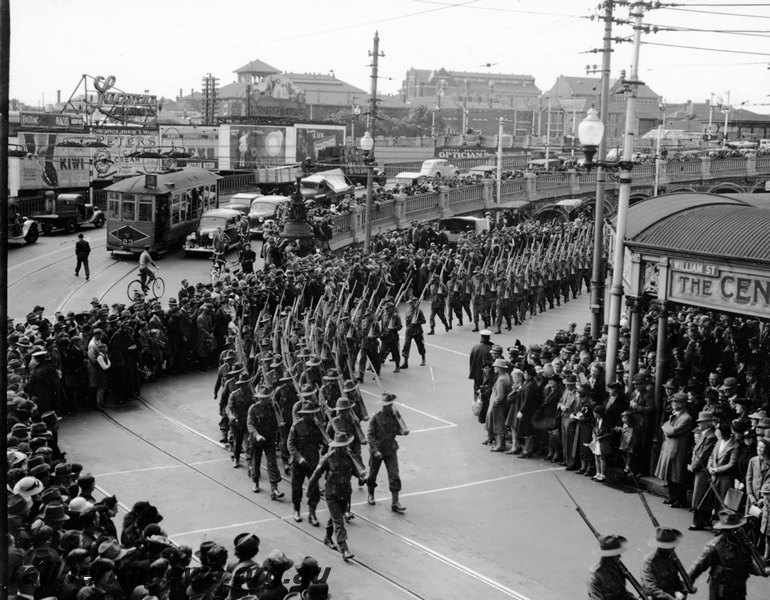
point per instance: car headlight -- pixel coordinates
(261, 219)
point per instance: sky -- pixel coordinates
(166, 45)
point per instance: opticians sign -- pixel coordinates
(720, 287)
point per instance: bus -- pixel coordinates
(158, 209)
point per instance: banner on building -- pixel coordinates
(50, 163)
(313, 138)
(253, 146)
(201, 143)
(460, 152)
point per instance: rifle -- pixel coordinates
(756, 557)
(623, 569)
(688, 584)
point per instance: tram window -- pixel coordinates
(129, 207)
(113, 206)
(176, 208)
(145, 210)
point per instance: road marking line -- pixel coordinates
(469, 484)
(138, 470)
(182, 425)
(450, 562)
(432, 428)
(417, 410)
(206, 462)
(210, 529)
(448, 350)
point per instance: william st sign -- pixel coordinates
(722, 287)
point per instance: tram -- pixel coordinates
(158, 209)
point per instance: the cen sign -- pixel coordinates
(720, 287)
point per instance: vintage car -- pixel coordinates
(242, 202)
(21, 230)
(326, 187)
(483, 171)
(202, 240)
(453, 227)
(438, 167)
(69, 212)
(264, 210)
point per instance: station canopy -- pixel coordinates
(700, 249)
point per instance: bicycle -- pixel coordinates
(155, 286)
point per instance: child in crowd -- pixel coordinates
(627, 445)
(600, 445)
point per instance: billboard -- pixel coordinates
(118, 152)
(312, 138)
(201, 143)
(253, 146)
(50, 165)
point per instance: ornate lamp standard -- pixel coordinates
(297, 229)
(367, 145)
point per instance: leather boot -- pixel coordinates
(432, 331)
(422, 364)
(395, 506)
(405, 364)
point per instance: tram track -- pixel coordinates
(46, 266)
(248, 498)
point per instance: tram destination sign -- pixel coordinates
(721, 287)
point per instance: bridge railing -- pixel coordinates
(540, 191)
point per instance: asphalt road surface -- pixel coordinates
(44, 273)
(478, 524)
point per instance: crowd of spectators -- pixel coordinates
(711, 425)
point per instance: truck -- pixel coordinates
(68, 212)
(352, 161)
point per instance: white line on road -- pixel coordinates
(432, 428)
(220, 527)
(143, 470)
(449, 350)
(417, 410)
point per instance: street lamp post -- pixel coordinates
(662, 107)
(367, 145)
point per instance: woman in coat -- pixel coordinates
(584, 418)
(514, 403)
(498, 402)
(530, 401)
(672, 462)
(723, 460)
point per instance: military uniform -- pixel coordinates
(304, 444)
(263, 437)
(391, 325)
(414, 322)
(438, 293)
(383, 448)
(237, 413)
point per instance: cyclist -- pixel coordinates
(243, 231)
(145, 272)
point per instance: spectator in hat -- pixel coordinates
(44, 384)
(275, 565)
(672, 461)
(642, 404)
(723, 460)
(78, 562)
(498, 404)
(123, 354)
(82, 250)
(308, 570)
(101, 377)
(531, 398)
(27, 582)
(705, 440)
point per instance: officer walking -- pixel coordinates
(82, 250)
(660, 576)
(383, 448)
(237, 413)
(438, 295)
(337, 464)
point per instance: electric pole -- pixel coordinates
(371, 123)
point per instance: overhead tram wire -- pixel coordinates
(747, 32)
(713, 12)
(707, 49)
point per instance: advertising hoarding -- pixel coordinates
(49, 164)
(252, 146)
(313, 138)
(201, 143)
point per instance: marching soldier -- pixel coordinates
(285, 397)
(438, 293)
(370, 331)
(383, 448)
(455, 299)
(346, 422)
(729, 559)
(415, 319)
(262, 423)
(660, 575)
(607, 580)
(338, 467)
(391, 325)
(237, 413)
(478, 294)
(504, 303)
(304, 445)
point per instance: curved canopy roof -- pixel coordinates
(697, 224)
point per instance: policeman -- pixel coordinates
(262, 425)
(338, 467)
(383, 429)
(304, 445)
